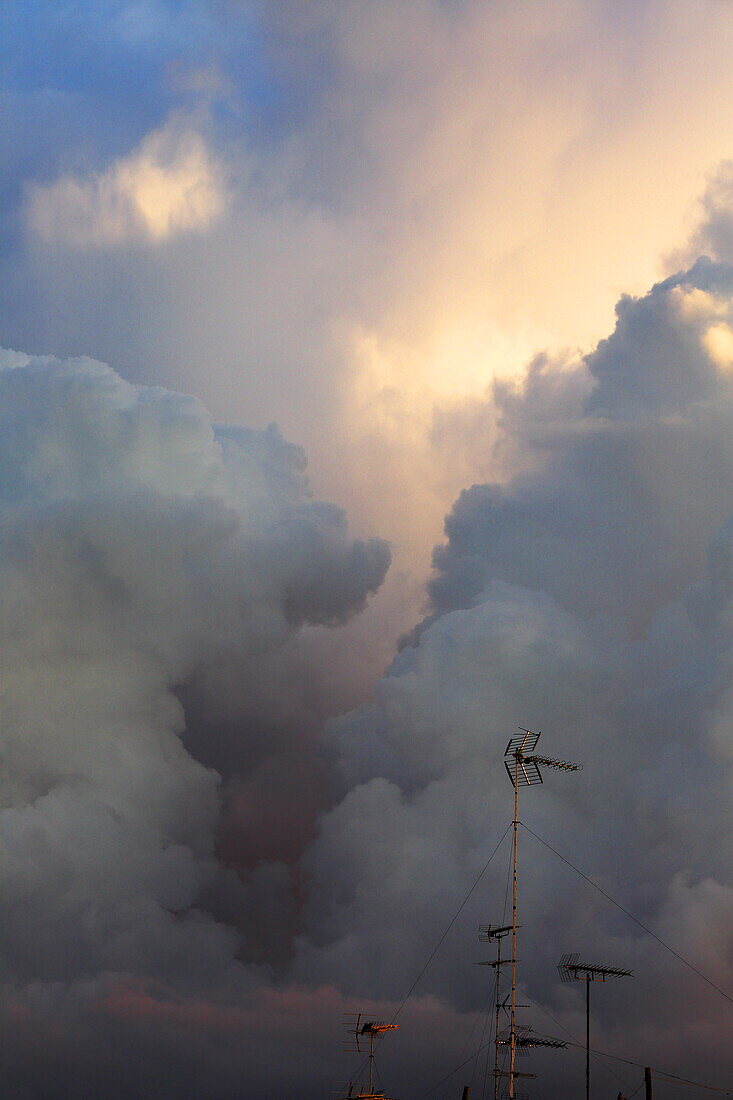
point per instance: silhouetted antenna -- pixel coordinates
(526, 1041)
(363, 1034)
(523, 768)
(571, 969)
(496, 933)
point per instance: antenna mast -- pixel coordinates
(570, 970)
(488, 935)
(362, 1034)
(523, 769)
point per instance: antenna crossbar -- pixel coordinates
(548, 762)
(555, 1044)
(571, 968)
(366, 1032)
(493, 932)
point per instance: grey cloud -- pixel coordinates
(382, 214)
(138, 547)
(713, 235)
(152, 581)
(644, 443)
(588, 596)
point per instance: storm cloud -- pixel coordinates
(139, 548)
(589, 596)
(399, 232)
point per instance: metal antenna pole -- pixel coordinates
(494, 932)
(570, 969)
(370, 1029)
(371, 1061)
(498, 1011)
(513, 1012)
(587, 1037)
(523, 768)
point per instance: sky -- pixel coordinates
(366, 393)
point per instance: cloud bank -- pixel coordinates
(386, 207)
(156, 574)
(588, 596)
(139, 548)
(350, 218)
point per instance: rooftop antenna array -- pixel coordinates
(489, 935)
(523, 767)
(571, 970)
(363, 1035)
(525, 1040)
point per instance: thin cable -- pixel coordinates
(488, 1021)
(465, 1062)
(474, 1025)
(599, 1053)
(485, 1046)
(453, 1072)
(631, 916)
(658, 1074)
(453, 920)
(573, 1042)
(497, 983)
(480, 1048)
(492, 1034)
(667, 1078)
(506, 891)
(486, 1069)
(439, 944)
(492, 1031)
(671, 1079)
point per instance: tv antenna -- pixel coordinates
(494, 933)
(364, 1033)
(571, 970)
(525, 1040)
(523, 768)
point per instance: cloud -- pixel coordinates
(135, 1037)
(587, 596)
(139, 547)
(408, 205)
(159, 581)
(170, 185)
(415, 201)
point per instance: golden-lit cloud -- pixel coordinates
(711, 316)
(719, 344)
(503, 173)
(468, 186)
(171, 184)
